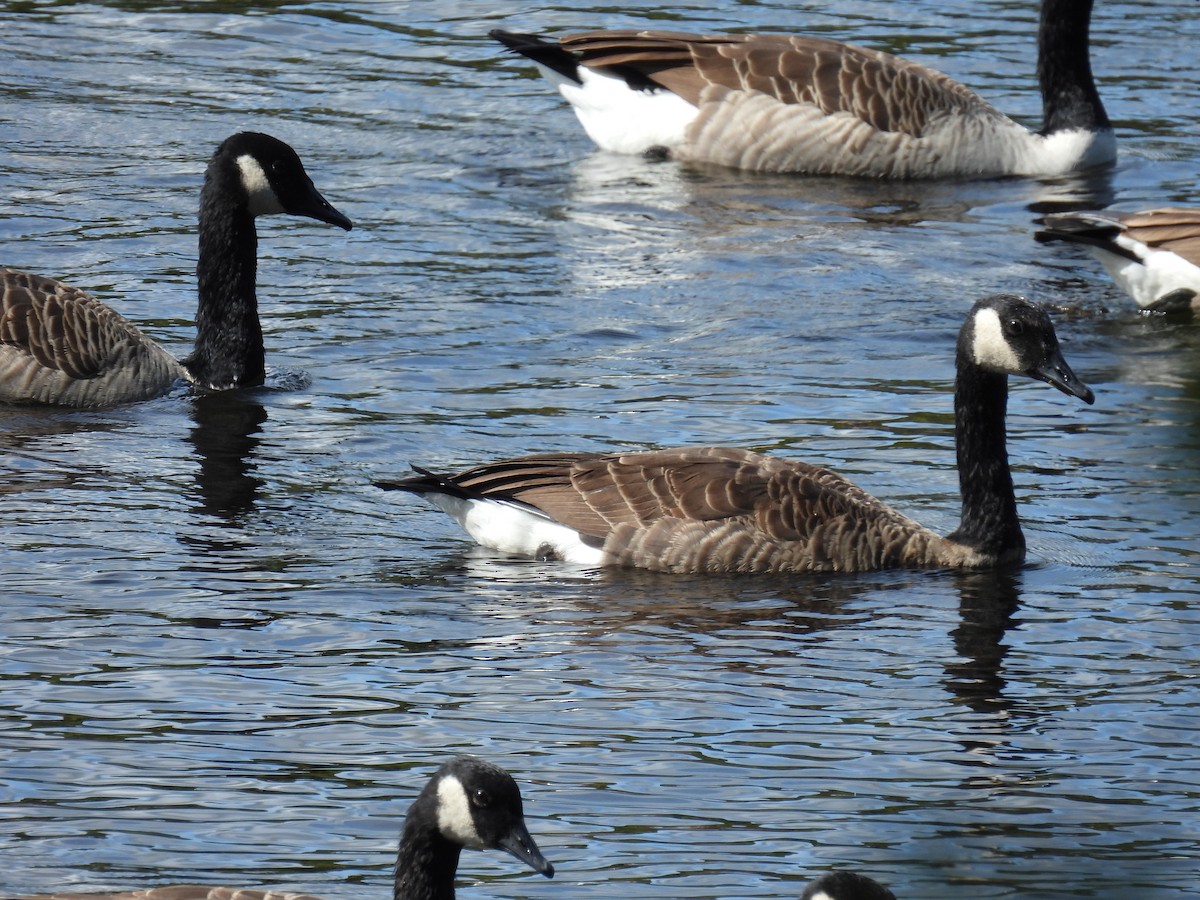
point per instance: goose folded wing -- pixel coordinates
(1175, 229)
(185, 892)
(886, 92)
(595, 493)
(62, 328)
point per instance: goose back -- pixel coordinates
(704, 509)
(793, 103)
(185, 892)
(60, 345)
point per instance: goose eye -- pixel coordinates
(481, 798)
(1015, 327)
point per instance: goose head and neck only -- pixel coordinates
(1004, 335)
(250, 175)
(468, 803)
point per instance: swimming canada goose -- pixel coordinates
(844, 885)
(716, 509)
(1154, 255)
(791, 103)
(60, 346)
(467, 803)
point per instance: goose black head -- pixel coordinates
(274, 179)
(479, 806)
(844, 885)
(1008, 334)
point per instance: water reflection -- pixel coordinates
(987, 603)
(226, 435)
(1081, 190)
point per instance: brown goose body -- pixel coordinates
(1153, 255)
(725, 510)
(468, 802)
(796, 103)
(60, 346)
(710, 509)
(185, 892)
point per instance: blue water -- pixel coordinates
(226, 658)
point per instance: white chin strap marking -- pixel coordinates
(263, 200)
(990, 348)
(454, 814)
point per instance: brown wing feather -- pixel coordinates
(61, 345)
(183, 892)
(887, 92)
(712, 509)
(62, 327)
(1176, 229)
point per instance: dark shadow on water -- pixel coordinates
(226, 436)
(987, 603)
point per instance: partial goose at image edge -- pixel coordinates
(468, 802)
(60, 346)
(1153, 255)
(842, 884)
(809, 105)
(721, 510)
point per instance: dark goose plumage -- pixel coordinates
(843, 885)
(718, 509)
(467, 803)
(792, 103)
(59, 346)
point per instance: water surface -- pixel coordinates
(226, 658)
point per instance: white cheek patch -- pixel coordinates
(990, 348)
(454, 814)
(262, 199)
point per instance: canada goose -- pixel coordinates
(60, 346)
(1154, 256)
(781, 103)
(715, 509)
(467, 803)
(842, 885)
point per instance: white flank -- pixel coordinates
(620, 119)
(1155, 274)
(513, 528)
(990, 348)
(263, 200)
(454, 814)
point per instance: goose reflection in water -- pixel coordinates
(226, 435)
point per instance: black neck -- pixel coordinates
(426, 863)
(229, 341)
(1069, 96)
(989, 508)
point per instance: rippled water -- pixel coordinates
(226, 658)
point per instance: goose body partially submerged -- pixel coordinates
(719, 509)
(60, 346)
(468, 802)
(793, 103)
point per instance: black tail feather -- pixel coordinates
(545, 52)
